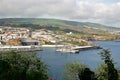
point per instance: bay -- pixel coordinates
(56, 61)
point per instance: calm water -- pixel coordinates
(56, 61)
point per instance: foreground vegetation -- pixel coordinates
(16, 65)
(106, 71)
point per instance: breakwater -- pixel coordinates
(21, 48)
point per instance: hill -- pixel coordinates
(53, 22)
(62, 26)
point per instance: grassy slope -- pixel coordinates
(52, 21)
(63, 24)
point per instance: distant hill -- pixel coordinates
(56, 25)
(53, 22)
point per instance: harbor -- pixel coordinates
(57, 60)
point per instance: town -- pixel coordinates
(24, 36)
(33, 39)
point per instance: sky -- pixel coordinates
(98, 11)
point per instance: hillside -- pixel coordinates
(54, 22)
(84, 29)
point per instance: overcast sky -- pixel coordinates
(98, 11)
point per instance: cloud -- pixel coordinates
(36, 8)
(99, 11)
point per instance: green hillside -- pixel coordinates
(56, 22)
(53, 22)
(84, 29)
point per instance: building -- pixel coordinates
(26, 42)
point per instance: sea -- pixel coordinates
(56, 61)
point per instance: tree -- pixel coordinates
(112, 72)
(4, 67)
(15, 65)
(77, 71)
(87, 74)
(107, 71)
(72, 70)
(102, 72)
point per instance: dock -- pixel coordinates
(67, 49)
(21, 48)
(75, 49)
(86, 47)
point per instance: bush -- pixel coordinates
(72, 70)
(15, 65)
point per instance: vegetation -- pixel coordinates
(107, 71)
(102, 72)
(15, 65)
(54, 22)
(112, 72)
(49, 43)
(82, 43)
(72, 70)
(76, 71)
(87, 74)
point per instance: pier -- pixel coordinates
(86, 47)
(75, 49)
(66, 49)
(21, 48)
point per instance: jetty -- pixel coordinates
(67, 49)
(75, 49)
(52, 46)
(86, 47)
(21, 48)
